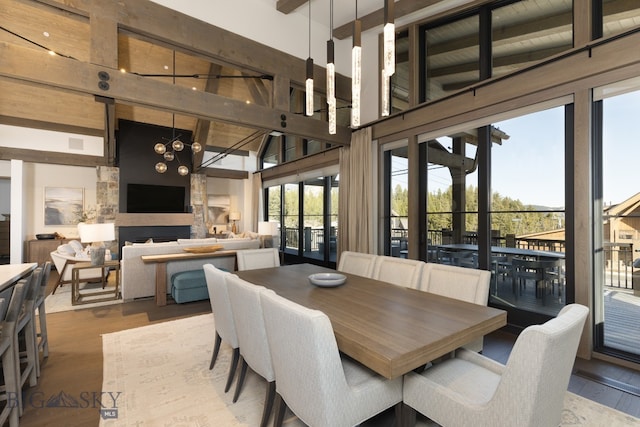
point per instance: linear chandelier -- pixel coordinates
(389, 56)
(331, 75)
(356, 71)
(309, 80)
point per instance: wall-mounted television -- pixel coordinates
(146, 198)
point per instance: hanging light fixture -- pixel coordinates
(389, 56)
(389, 39)
(331, 75)
(309, 81)
(356, 71)
(169, 154)
(176, 144)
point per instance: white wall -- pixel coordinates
(37, 177)
(46, 140)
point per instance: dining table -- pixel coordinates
(10, 274)
(390, 329)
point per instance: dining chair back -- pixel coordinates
(252, 338)
(320, 387)
(7, 363)
(465, 284)
(26, 331)
(357, 263)
(223, 316)
(252, 259)
(471, 389)
(42, 335)
(10, 332)
(398, 271)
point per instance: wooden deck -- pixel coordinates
(621, 308)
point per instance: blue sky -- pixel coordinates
(529, 166)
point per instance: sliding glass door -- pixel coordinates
(617, 204)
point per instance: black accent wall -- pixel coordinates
(137, 159)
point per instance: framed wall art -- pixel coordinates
(63, 205)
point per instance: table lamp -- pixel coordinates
(96, 234)
(269, 228)
(234, 216)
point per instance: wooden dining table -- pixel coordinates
(388, 328)
(11, 273)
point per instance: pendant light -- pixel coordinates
(331, 75)
(356, 71)
(309, 81)
(389, 56)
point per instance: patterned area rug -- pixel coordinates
(61, 300)
(162, 375)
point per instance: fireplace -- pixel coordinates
(140, 234)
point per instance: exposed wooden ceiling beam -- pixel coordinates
(223, 173)
(288, 6)
(50, 157)
(25, 64)
(375, 18)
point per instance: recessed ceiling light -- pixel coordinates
(193, 88)
(248, 102)
(45, 33)
(166, 67)
(122, 70)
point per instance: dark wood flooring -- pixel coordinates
(74, 366)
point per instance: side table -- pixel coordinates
(78, 297)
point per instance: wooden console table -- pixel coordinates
(161, 262)
(38, 250)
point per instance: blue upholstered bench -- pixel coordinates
(190, 285)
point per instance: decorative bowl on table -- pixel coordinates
(327, 280)
(203, 249)
(48, 236)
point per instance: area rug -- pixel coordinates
(61, 300)
(159, 375)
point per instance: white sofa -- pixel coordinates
(138, 280)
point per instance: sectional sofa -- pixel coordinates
(138, 280)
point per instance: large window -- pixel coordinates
(521, 33)
(618, 232)
(309, 211)
(527, 212)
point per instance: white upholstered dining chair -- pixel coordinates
(252, 338)
(251, 259)
(223, 317)
(471, 389)
(465, 284)
(357, 263)
(399, 271)
(322, 388)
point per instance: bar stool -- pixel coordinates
(9, 351)
(26, 332)
(41, 335)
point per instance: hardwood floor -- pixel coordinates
(74, 366)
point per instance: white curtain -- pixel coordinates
(356, 195)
